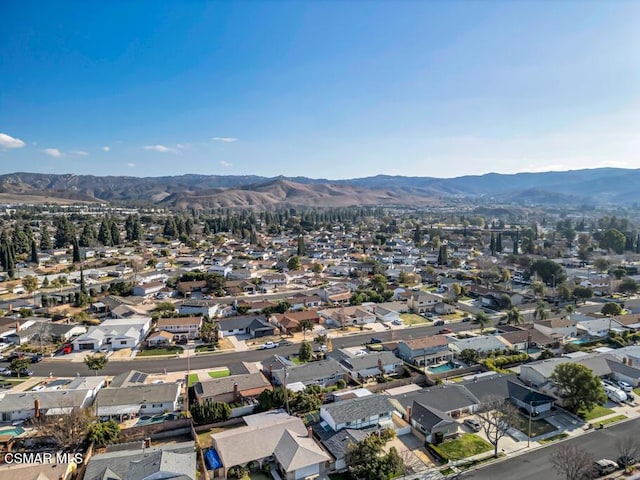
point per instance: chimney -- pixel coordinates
(17, 327)
(236, 394)
(36, 407)
(409, 414)
(147, 442)
(309, 432)
(380, 365)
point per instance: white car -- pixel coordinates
(268, 345)
(625, 386)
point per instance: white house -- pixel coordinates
(114, 333)
(423, 302)
(147, 289)
(357, 413)
(223, 270)
(182, 327)
(557, 327)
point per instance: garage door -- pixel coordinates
(86, 346)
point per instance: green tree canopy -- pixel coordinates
(611, 309)
(578, 386)
(613, 239)
(95, 362)
(549, 271)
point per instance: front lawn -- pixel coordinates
(467, 445)
(609, 420)
(538, 427)
(596, 412)
(205, 348)
(636, 391)
(220, 373)
(149, 352)
(412, 319)
(193, 379)
(296, 360)
(553, 438)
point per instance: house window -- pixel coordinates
(143, 406)
(123, 342)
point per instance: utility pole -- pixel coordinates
(286, 394)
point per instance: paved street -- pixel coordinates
(64, 368)
(537, 464)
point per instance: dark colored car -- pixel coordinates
(627, 461)
(375, 340)
(23, 373)
(439, 323)
(35, 358)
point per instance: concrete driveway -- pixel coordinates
(412, 453)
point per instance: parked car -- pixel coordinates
(445, 330)
(624, 386)
(627, 461)
(5, 371)
(35, 358)
(375, 340)
(268, 345)
(439, 323)
(466, 319)
(25, 372)
(605, 466)
(473, 424)
(66, 349)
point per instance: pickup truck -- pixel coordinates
(268, 345)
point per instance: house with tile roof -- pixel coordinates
(425, 351)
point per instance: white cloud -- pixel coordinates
(53, 152)
(106, 149)
(225, 163)
(159, 148)
(7, 141)
(131, 165)
(79, 153)
(225, 139)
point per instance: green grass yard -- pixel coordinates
(467, 445)
(553, 438)
(220, 373)
(193, 379)
(149, 352)
(596, 412)
(609, 420)
(412, 319)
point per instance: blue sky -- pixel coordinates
(331, 89)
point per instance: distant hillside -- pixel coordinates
(596, 186)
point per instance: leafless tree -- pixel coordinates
(628, 447)
(496, 416)
(572, 462)
(68, 429)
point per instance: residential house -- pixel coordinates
(135, 400)
(482, 344)
(170, 461)
(358, 413)
(205, 308)
(259, 442)
(560, 328)
(425, 351)
(430, 424)
(324, 373)
(347, 316)
(369, 364)
(423, 302)
(147, 289)
(336, 443)
(38, 471)
(300, 301)
(187, 288)
(240, 390)
(115, 333)
(289, 322)
(525, 398)
(159, 339)
(273, 280)
(182, 328)
(58, 397)
(598, 327)
(254, 326)
(525, 337)
(335, 294)
(223, 270)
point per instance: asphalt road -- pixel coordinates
(537, 464)
(64, 368)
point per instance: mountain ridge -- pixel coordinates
(584, 186)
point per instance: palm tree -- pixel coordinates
(482, 319)
(538, 289)
(306, 325)
(570, 309)
(541, 313)
(513, 316)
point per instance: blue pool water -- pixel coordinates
(15, 431)
(581, 341)
(212, 459)
(147, 420)
(445, 367)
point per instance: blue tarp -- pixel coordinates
(212, 459)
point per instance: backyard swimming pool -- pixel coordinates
(445, 367)
(14, 431)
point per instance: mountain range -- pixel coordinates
(602, 186)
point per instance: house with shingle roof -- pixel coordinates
(170, 462)
(430, 424)
(425, 351)
(358, 413)
(324, 373)
(560, 327)
(236, 389)
(369, 364)
(299, 457)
